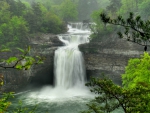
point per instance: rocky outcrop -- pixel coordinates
(45, 46)
(109, 55)
(42, 45)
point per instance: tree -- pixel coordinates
(114, 7)
(111, 97)
(134, 96)
(144, 9)
(128, 6)
(16, 7)
(5, 14)
(52, 24)
(68, 10)
(14, 32)
(137, 71)
(136, 30)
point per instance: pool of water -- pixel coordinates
(55, 100)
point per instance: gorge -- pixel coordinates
(70, 74)
(69, 93)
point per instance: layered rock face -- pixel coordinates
(102, 55)
(41, 45)
(45, 46)
(109, 56)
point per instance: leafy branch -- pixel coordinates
(136, 30)
(111, 97)
(23, 61)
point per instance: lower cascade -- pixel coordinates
(69, 67)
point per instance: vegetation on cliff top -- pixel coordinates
(18, 20)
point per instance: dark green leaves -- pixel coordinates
(104, 18)
(120, 35)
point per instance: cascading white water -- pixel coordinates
(69, 67)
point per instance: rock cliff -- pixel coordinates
(42, 45)
(109, 55)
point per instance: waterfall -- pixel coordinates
(70, 94)
(69, 69)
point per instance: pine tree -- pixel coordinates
(136, 30)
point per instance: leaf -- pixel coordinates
(11, 59)
(5, 50)
(18, 66)
(120, 35)
(20, 50)
(29, 48)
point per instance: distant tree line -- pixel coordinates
(19, 19)
(113, 9)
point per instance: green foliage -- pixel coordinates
(128, 6)
(144, 9)
(52, 24)
(99, 28)
(16, 7)
(98, 23)
(4, 103)
(134, 96)
(40, 19)
(18, 19)
(13, 31)
(137, 71)
(4, 12)
(21, 61)
(111, 97)
(113, 7)
(68, 10)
